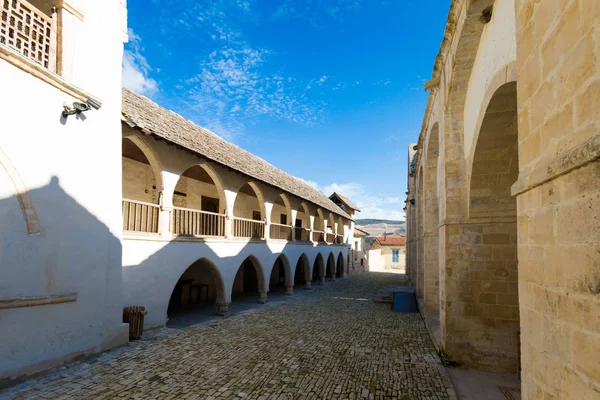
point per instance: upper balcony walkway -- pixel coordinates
(198, 193)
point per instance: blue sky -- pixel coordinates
(330, 91)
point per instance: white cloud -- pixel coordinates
(135, 69)
(232, 90)
(372, 205)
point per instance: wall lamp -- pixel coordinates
(79, 107)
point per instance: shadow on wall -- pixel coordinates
(165, 284)
(75, 257)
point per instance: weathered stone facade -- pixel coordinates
(503, 235)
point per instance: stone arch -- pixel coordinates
(250, 279)
(249, 206)
(420, 210)
(205, 173)
(494, 164)
(331, 222)
(281, 265)
(490, 241)
(282, 201)
(318, 271)
(495, 57)
(302, 275)
(303, 215)
(319, 223)
(147, 156)
(339, 267)
(431, 268)
(201, 272)
(32, 221)
(341, 229)
(330, 269)
(252, 189)
(456, 69)
(505, 75)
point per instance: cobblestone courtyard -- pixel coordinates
(332, 342)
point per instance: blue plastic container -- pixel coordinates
(405, 301)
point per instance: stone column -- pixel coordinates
(222, 309)
(308, 285)
(289, 290)
(267, 219)
(322, 280)
(166, 203)
(230, 196)
(263, 298)
(292, 223)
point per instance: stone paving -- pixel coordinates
(332, 342)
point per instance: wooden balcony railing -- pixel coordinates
(330, 238)
(339, 239)
(29, 32)
(279, 231)
(140, 217)
(318, 236)
(248, 228)
(302, 234)
(185, 221)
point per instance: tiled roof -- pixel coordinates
(360, 232)
(345, 200)
(391, 240)
(146, 114)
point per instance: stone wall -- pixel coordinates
(516, 101)
(559, 197)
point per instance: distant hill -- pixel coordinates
(377, 227)
(367, 221)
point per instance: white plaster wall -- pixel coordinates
(376, 260)
(72, 170)
(151, 268)
(386, 253)
(497, 49)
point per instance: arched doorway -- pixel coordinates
(249, 213)
(302, 276)
(339, 268)
(141, 185)
(199, 203)
(195, 295)
(248, 284)
(330, 272)
(281, 280)
(318, 273)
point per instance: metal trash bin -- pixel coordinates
(134, 316)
